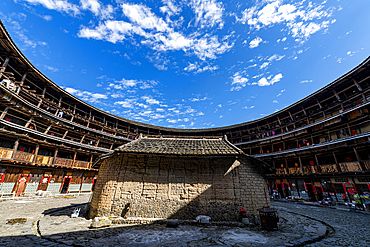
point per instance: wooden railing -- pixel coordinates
(22, 156)
(294, 170)
(309, 169)
(280, 171)
(366, 164)
(63, 162)
(82, 164)
(44, 160)
(328, 168)
(6, 153)
(350, 166)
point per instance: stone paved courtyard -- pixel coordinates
(46, 216)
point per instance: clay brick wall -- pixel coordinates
(154, 186)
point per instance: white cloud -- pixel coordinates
(275, 57)
(132, 83)
(51, 68)
(269, 80)
(302, 18)
(255, 42)
(275, 101)
(85, 95)
(170, 8)
(58, 5)
(281, 92)
(264, 65)
(127, 103)
(150, 100)
(156, 33)
(238, 81)
(305, 81)
(97, 8)
(208, 13)
(197, 69)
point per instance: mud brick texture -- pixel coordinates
(157, 185)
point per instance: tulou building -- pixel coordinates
(49, 140)
(179, 178)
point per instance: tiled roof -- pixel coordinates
(180, 146)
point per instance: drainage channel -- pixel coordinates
(329, 230)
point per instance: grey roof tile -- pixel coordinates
(181, 146)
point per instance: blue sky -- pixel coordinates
(194, 63)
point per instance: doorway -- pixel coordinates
(65, 185)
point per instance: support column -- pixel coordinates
(23, 78)
(48, 128)
(359, 159)
(36, 152)
(15, 147)
(55, 155)
(300, 164)
(28, 122)
(4, 112)
(5, 63)
(74, 159)
(91, 159)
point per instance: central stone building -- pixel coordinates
(179, 178)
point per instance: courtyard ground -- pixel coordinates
(49, 224)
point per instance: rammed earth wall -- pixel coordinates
(179, 187)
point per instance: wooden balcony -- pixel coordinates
(366, 164)
(328, 168)
(6, 153)
(280, 171)
(82, 164)
(23, 156)
(350, 166)
(44, 160)
(294, 170)
(309, 169)
(64, 162)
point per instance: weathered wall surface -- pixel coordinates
(154, 186)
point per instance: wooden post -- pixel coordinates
(36, 152)
(43, 92)
(300, 164)
(74, 159)
(4, 112)
(65, 134)
(28, 122)
(6, 62)
(318, 103)
(359, 159)
(82, 139)
(291, 117)
(15, 147)
(48, 128)
(60, 100)
(55, 155)
(91, 159)
(23, 79)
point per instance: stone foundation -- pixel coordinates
(176, 187)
